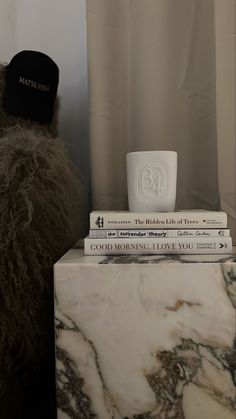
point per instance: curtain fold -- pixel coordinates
(225, 29)
(152, 86)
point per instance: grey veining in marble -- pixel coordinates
(146, 337)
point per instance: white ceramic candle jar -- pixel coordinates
(151, 180)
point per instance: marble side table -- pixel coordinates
(146, 337)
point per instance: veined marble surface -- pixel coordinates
(146, 337)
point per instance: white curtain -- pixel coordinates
(154, 66)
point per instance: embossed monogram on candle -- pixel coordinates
(152, 180)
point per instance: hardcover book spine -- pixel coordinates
(172, 220)
(157, 246)
(106, 234)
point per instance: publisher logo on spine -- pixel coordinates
(152, 180)
(99, 222)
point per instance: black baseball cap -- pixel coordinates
(31, 83)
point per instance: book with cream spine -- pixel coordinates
(158, 233)
(164, 246)
(167, 220)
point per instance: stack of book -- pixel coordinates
(181, 232)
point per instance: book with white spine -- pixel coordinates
(210, 232)
(168, 220)
(183, 246)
